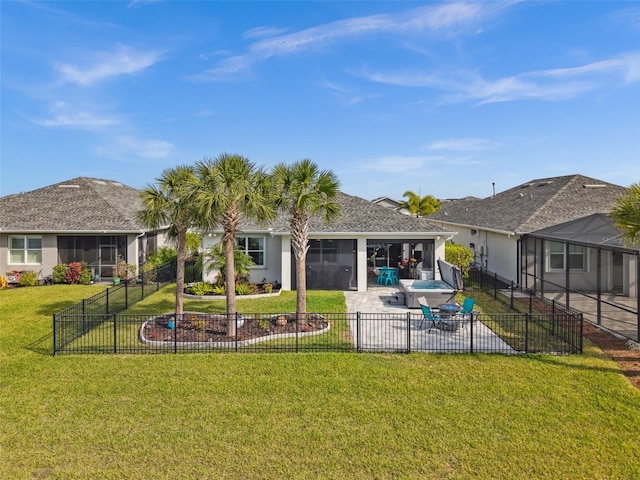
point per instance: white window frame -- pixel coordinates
(26, 251)
(245, 248)
(580, 250)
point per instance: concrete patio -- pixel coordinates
(394, 327)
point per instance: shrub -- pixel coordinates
(245, 288)
(162, 255)
(85, 276)
(219, 290)
(28, 279)
(202, 288)
(3, 282)
(73, 273)
(460, 256)
(60, 273)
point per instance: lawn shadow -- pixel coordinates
(43, 345)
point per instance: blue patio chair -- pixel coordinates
(428, 316)
(384, 277)
(393, 274)
(466, 312)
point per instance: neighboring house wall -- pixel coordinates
(49, 255)
(494, 251)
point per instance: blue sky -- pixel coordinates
(441, 98)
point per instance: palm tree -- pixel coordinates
(419, 206)
(303, 191)
(626, 214)
(169, 204)
(231, 187)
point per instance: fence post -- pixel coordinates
(408, 332)
(54, 334)
(83, 307)
(495, 286)
(526, 332)
(297, 328)
(471, 332)
(358, 349)
(580, 316)
(175, 333)
(530, 302)
(512, 287)
(107, 300)
(236, 339)
(126, 295)
(115, 333)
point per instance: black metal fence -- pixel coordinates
(513, 333)
(96, 309)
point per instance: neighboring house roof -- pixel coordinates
(533, 205)
(595, 229)
(78, 205)
(387, 202)
(358, 216)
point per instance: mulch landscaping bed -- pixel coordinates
(214, 328)
(622, 351)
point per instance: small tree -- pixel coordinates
(217, 260)
(304, 191)
(169, 205)
(230, 188)
(419, 206)
(626, 215)
(460, 256)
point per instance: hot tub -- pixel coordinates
(434, 291)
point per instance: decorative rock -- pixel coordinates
(281, 321)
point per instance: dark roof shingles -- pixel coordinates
(80, 204)
(533, 205)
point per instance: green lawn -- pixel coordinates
(343, 416)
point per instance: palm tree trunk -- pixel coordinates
(230, 289)
(301, 283)
(181, 240)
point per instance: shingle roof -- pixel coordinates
(358, 215)
(533, 205)
(81, 204)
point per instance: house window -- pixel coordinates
(556, 254)
(322, 251)
(25, 250)
(254, 247)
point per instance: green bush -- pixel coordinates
(219, 290)
(202, 288)
(459, 256)
(85, 276)
(245, 288)
(60, 273)
(28, 279)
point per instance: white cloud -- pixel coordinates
(441, 19)
(551, 84)
(462, 144)
(262, 32)
(147, 149)
(123, 61)
(61, 114)
(397, 163)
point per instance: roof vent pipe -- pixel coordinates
(493, 184)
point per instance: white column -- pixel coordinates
(285, 262)
(362, 264)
